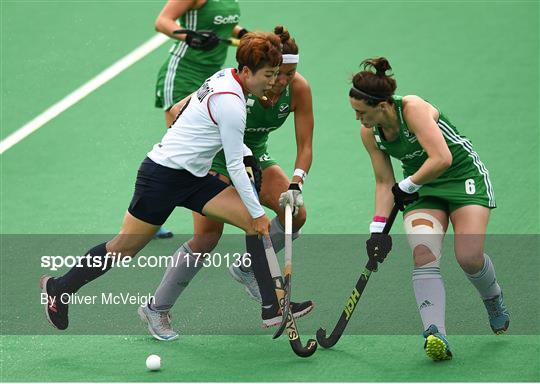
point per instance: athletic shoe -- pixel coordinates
(272, 316)
(55, 310)
(163, 233)
(248, 280)
(436, 345)
(499, 318)
(159, 323)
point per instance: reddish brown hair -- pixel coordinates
(373, 87)
(258, 49)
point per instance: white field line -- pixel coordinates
(84, 90)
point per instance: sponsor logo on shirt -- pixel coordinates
(231, 19)
(204, 90)
(414, 154)
(261, 129)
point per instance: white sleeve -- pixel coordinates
(229, 112)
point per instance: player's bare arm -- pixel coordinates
(383, 171)
(166, 22)
(421, 119)
(303, 123)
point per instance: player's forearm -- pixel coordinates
(303, 162)
(167, 27)
(243, 186)
(384, 199)
(432, 168)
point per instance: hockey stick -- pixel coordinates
(229, 41)
(292, 331)
(287, 270)
(352, 300)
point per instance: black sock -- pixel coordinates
(259, 264)
(246, 260)
(77, 276)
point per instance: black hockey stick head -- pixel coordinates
(300, 350)
(326, 342)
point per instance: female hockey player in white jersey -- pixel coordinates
(175, 173)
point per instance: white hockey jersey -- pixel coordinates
(215, 118)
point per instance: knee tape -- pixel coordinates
(424, 229)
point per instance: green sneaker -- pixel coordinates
(499, 318)
(436, 345)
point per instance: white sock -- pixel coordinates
(176, 278)
(430, 296)
(485, 280)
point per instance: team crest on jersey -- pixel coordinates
(283, 110)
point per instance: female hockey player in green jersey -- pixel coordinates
(193, 60)
(444, 180)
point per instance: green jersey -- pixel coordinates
(220, 16)
(466, 166)
(261, 121)
(187, 68)
(407, 149)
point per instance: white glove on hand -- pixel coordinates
(293, 197)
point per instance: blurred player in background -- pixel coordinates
(444, 180)
(290, 93)
(191, 59)
(175, 173)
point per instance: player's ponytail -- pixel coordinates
(289, 44)
(372, 84)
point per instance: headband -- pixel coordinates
(367, 95)
(291, 59)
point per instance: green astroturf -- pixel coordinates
(477, 61)
(256, 358)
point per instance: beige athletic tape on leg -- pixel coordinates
(424, 229)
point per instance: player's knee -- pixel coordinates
(425, 235)
(124, 246)
(423, 256)
(470, 262)
(204, 243)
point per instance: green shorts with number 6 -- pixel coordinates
(449, 195)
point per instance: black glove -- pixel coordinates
(402, 198)
(378, 246)
(242, 32)
(204, 40)
(254, 171)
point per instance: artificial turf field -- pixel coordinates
(477, 61)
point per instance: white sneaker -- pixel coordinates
(159, 323)
(247, 279)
